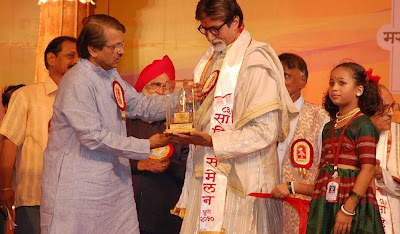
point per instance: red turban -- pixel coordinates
(153, 70)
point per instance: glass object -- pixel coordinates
(179, 103)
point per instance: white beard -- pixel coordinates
(218, 44)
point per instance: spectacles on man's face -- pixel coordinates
(394, 107)
(213, 30)
(154, 86)
(116, 47)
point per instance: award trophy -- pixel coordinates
(180, 106)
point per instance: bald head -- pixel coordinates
(386, 95)
(382, 120)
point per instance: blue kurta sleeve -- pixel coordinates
(86, 102)
(147, 108)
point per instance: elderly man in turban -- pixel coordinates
(157, 182)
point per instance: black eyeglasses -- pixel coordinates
(213, 30)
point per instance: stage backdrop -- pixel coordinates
(324, 33)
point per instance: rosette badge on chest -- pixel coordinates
(119, 96)
(302, 154)
(210, 82)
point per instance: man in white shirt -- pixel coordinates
(25, 132)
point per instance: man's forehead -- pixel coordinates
(113, 35)
(387, 97)
(286, 67)
(161, 78)
(68, 46)
(208, 22)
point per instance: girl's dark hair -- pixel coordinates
(370, 101)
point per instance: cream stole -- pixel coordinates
(214, 180)
(381, 194)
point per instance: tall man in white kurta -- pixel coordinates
(244, 112)
(86, 183)
(387, 172)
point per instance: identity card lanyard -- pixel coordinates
(336, 151)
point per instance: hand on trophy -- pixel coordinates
(198, 92)
(159, 140)
(154, 165)
(195, 138)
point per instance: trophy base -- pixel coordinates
(180, 128)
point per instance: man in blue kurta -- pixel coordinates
(86, 182)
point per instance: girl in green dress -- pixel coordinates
(343, 199)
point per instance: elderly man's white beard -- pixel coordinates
(218, 44)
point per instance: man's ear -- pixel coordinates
(51, 59)
(92, 51)
(303, 81)
(236, 21)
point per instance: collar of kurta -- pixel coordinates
(50, 86)
(299, 103)
(98, 70)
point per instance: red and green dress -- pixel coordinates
(358, 147)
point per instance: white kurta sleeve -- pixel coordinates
(258, 134)
(388, 184)
(255, 88)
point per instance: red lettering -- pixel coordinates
(222, 118)
(207, 199)
(209, 188)
(218, 128)
(210, 175)
(212, 162)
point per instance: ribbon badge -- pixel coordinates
(301, 155)
(210, 82)
(119, 98)
(162, 152)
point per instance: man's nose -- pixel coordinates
(76, 58)
(209, 36)
(390, 112)
(161, 91)
(121, 51)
